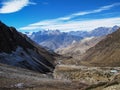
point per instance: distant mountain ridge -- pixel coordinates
(97, 32)
(54, 39)
(102, 31)
(17, 49)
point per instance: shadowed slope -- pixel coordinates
(18, 50)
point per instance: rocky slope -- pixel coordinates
(67, 78)
(13, 78)
(105, 53)
(17, 49)
(78, 48)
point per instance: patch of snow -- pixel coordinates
(29, 33)
(74, 41)
(19, 85)
(114, 71)
(87, 39)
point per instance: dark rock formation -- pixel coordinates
(18, 50)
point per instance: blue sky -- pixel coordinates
(65, 15)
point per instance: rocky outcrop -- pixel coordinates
(18, 50)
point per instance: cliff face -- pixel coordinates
(105, 53)
(18, 50)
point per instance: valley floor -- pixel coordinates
(65, 77)
(12, 78)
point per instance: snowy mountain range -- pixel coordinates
(54, 39)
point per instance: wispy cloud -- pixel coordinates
(75, 25)
(68, 23)
(11, 6)
(89, 12)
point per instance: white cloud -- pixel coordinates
(11, 6)
(74, 25)
(90, 12)
(67, 24)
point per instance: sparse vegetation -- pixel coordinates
(88, 75)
